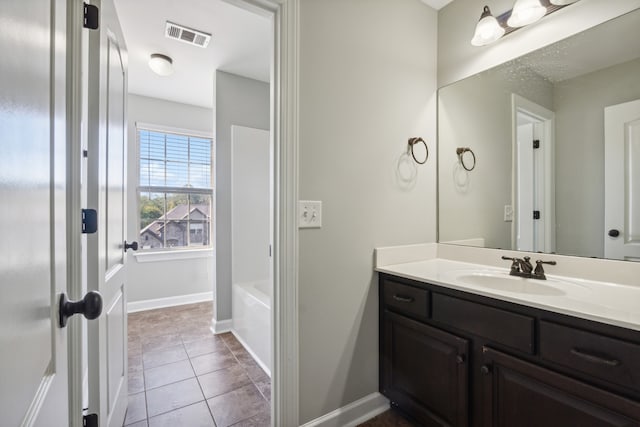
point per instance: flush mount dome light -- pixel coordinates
(526, 12)
(488, 29)
(161, 64)
(562, 2)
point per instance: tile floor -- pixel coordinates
(182, 375)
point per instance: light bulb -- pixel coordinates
(526, 12)
(488, 29)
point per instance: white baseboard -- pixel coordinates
(255, 357)
(151, 304)
(220, 326)
(354, 413)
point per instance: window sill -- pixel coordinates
(175, 255)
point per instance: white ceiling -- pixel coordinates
(240, 44)
(437, 4)
(600, 47)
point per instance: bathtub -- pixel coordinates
(251, 319)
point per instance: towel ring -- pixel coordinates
(460, 152)
(413, 141)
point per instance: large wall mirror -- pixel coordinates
(556, 140)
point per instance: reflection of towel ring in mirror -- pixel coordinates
(460, 152)
(413, 141)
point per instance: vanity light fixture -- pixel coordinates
(161, 64)
(526, 12)
(488, 29)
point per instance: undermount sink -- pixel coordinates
(506, 283)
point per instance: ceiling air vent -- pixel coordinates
(187, 35)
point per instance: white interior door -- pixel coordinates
(33, 348)
(525, 183)
(250, 205)
(106, 271)
(622, 181)
(533, 176)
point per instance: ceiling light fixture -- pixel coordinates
(161, 64)
(526, 12)
(488, 30)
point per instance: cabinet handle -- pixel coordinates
(403, 298)
(594, 358)
(460, 359)
(485, 369)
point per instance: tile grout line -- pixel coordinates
(197, 377)
(206, 402)
(175, 382)
(250, 379)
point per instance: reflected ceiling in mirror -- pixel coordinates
(556, 136)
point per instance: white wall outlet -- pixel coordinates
(508, 213)
(309, 214)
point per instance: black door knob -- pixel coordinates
(614, 233)
(132, 245)
(485, 370)
(90, 307)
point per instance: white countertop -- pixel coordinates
(610, 303)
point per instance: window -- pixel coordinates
(175, 192)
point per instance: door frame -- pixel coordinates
(284, 87)
(76, 285)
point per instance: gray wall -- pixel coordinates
(458, 59)
(244, 102)
(477, 113)
(367, 84)
(579, 105)
(167, 278)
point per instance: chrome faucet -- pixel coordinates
(522, 267)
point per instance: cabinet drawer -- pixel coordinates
(500, 326)
(406, 299)
(605, 358)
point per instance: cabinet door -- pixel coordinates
(517, 393)
(424, 371)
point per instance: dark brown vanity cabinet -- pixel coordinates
(451, 358)
(518, 393)
(424, 369)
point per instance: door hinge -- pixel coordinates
(536, 144)
(90, 420)
(91, 16)
(536, 214)
(89, 221)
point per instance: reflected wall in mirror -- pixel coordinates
(556, 135)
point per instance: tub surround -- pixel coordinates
(604, 291)
(251, 322)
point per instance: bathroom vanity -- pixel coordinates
(457, 350)
(463, 342)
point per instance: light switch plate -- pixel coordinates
(508, 213)
(309, 214)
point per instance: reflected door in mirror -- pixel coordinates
(622, 181)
